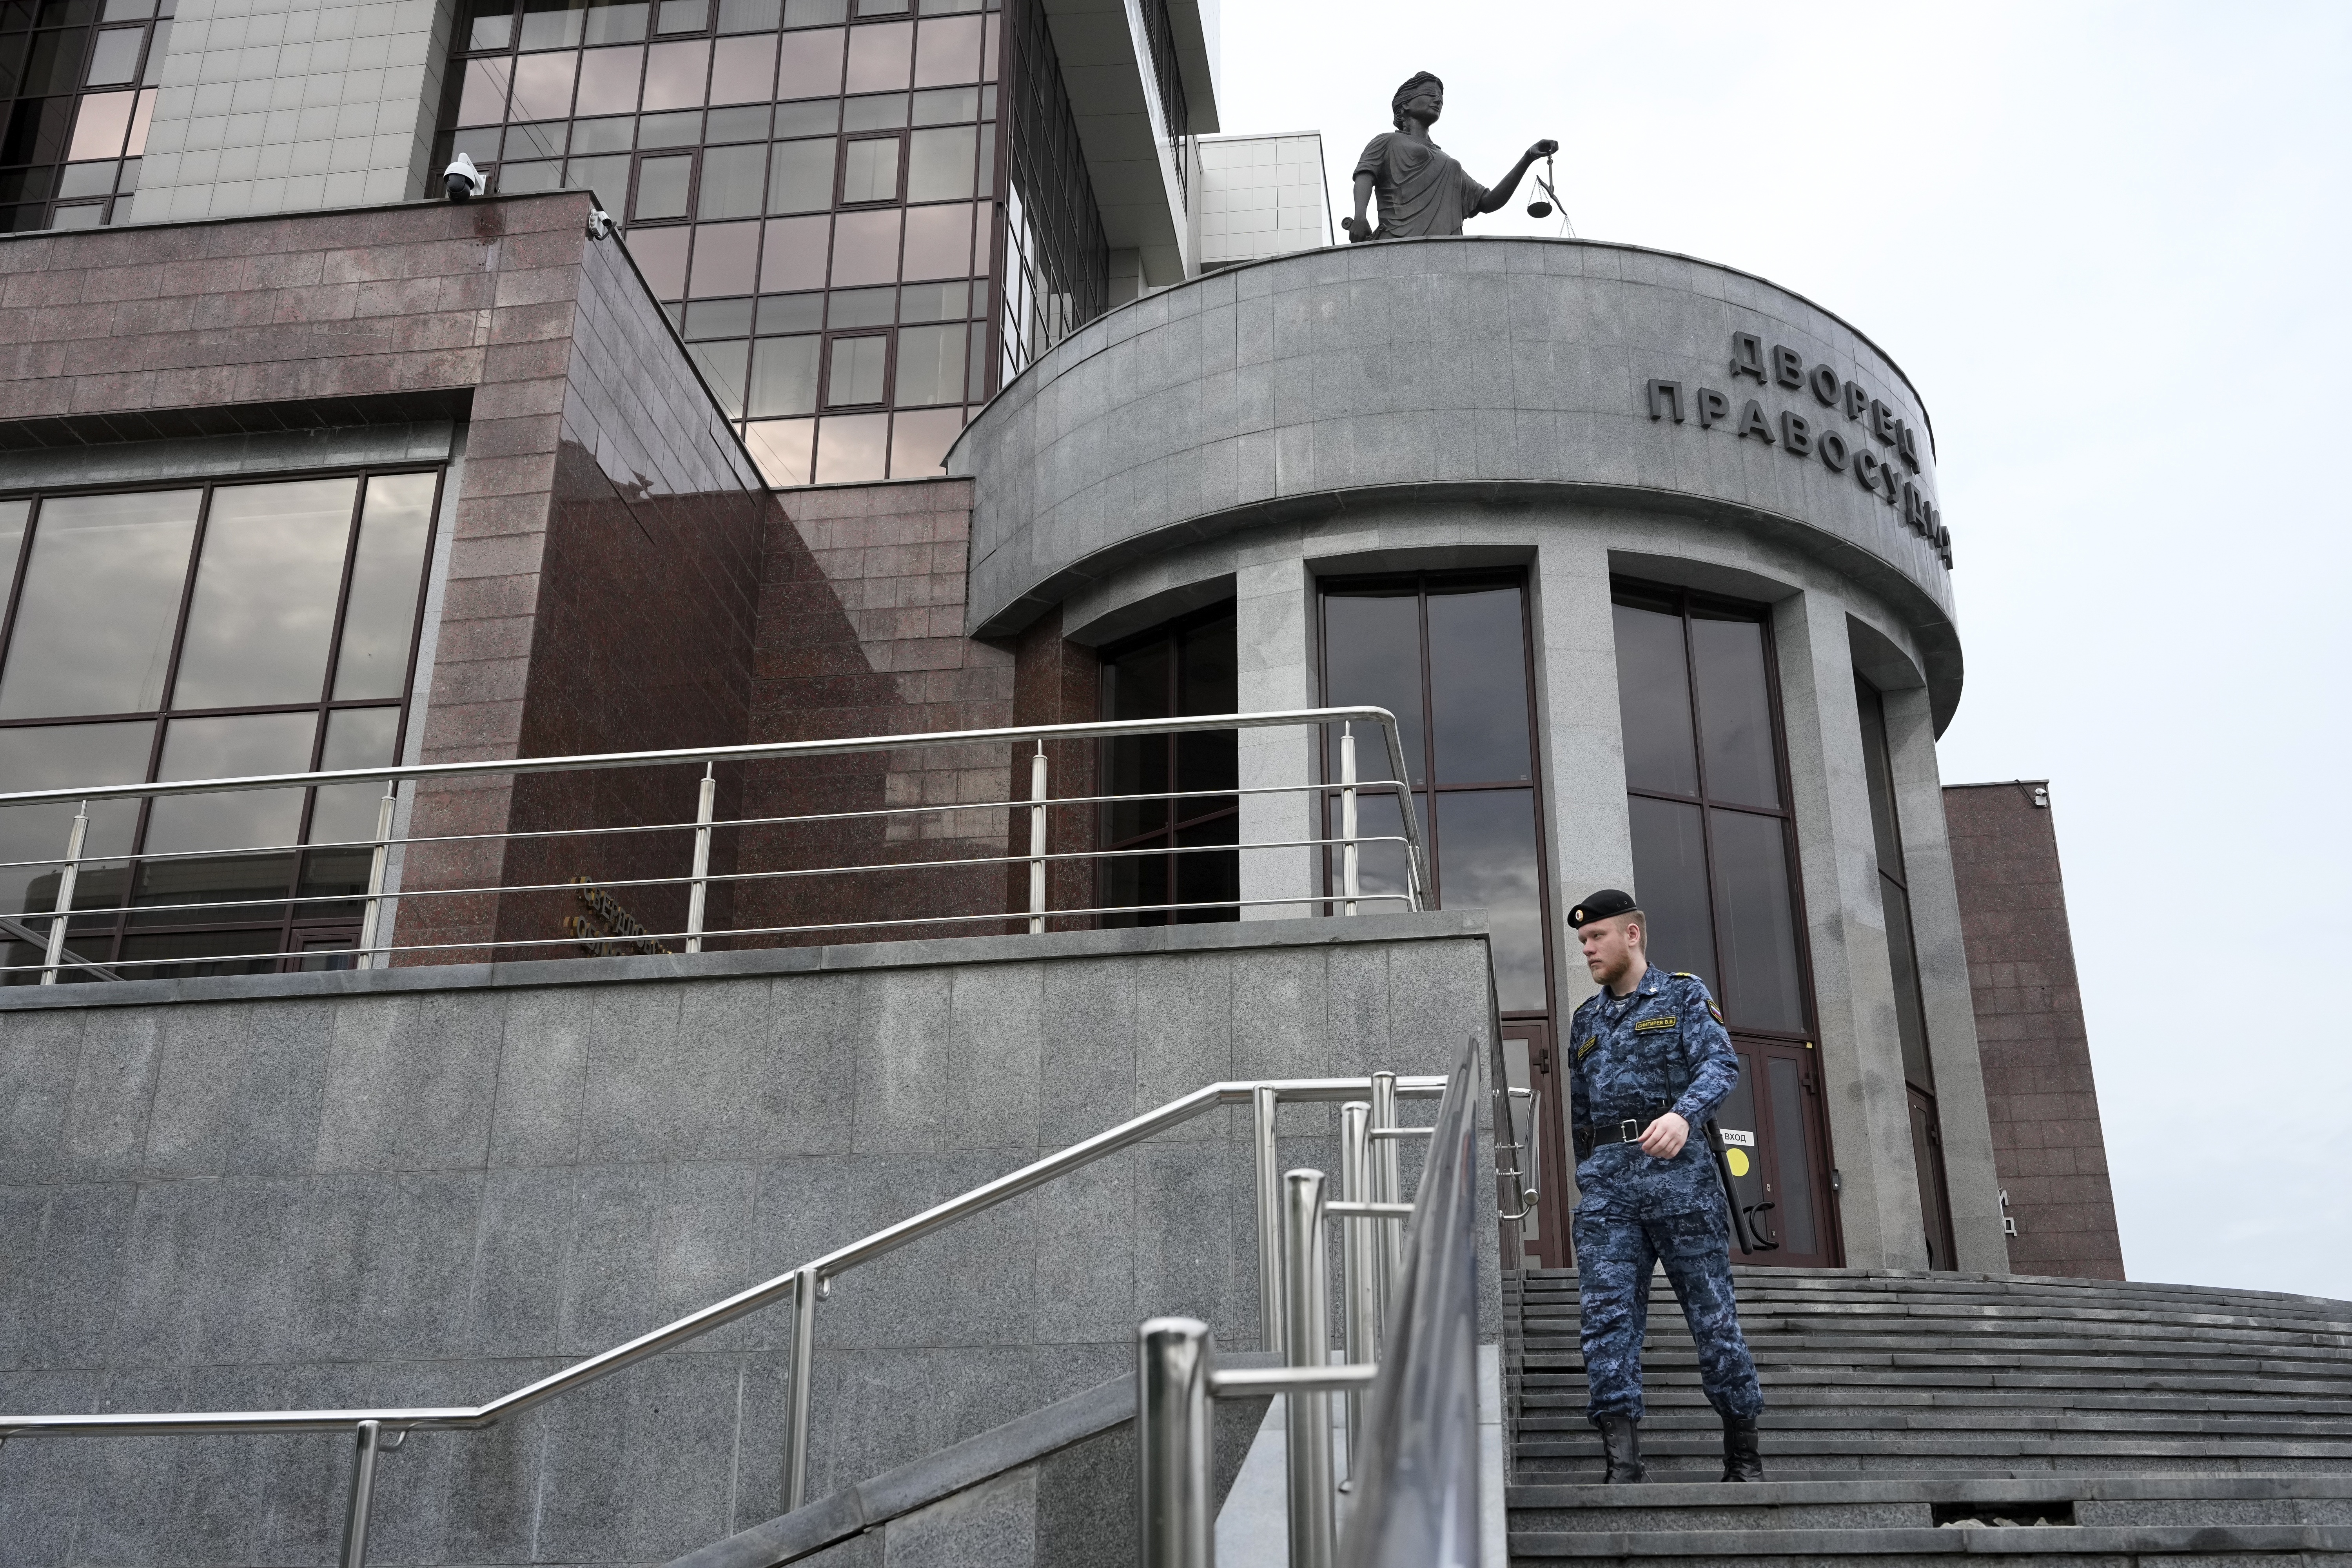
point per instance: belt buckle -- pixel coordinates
(1629, 1130)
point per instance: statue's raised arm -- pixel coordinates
(1421, 190)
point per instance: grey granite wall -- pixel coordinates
(1304, 387)
(428, 1186)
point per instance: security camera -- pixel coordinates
(600, 224)
(463, 180)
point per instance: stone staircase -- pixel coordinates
(1919, 1415)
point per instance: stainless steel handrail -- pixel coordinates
(383, 894)
(125, 857)
(90, 911)
(1416, 1496)
(1412, 1422)
(765, 752)
(803, 1285)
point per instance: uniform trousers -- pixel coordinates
(1614, 1258)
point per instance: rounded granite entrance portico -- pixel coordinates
(1710, 507)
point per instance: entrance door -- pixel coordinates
(1772, 1131)
(1714, 841)
(1537, 1118)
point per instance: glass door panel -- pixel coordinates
(1536, 1121)
(1773, 1146)
(1744, 1139)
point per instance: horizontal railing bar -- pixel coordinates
(778, 751)
(1376, 786)
(572, 940)
(126, 857)
(1346, 1210)
(694, 1324)
(1244, 1382)
(87, 912)
(67, 959)
(1402, 1133)
(200, 1423)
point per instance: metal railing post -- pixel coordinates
(355, 1512)
(797, 1412)
(1037, 840)
(66, 877)
(378, 862)
(1173, 1436)
(699, 896)
(1389, 1240)
(1360, 1306)
(1269, 1218)
(1307, 1338)
(1347, 869)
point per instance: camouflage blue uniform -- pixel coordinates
(1662, 1043)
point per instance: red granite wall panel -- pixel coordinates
(646, 619)
(2048, 1146)
(861, 633)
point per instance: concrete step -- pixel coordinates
(1977, 1334)
(2049, 1354)
(2311, 1313)
(1536, 1281)
(2059, 1418)
(2220, 1383)
(2049, 1423)
(1918, 1393)
(1913, 1502)
(1805, 1548)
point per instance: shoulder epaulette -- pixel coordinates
(1684, 975)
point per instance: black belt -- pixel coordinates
(1629, 1130)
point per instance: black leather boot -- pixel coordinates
(1621, 1446)
(1742, 1459)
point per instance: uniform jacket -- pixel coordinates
(1664, 1043)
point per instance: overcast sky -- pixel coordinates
(2109, 244)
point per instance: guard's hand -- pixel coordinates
(1666, 1137)
(1543, 148)
(1358, 229)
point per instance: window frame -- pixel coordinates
(1686, 600)
(292, 926)
(1431, 827)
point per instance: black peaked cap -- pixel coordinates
(1599, 905)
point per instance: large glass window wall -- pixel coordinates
(819, 191)
(206, 631)
(78, 82)
(1056, 262)
(808, 191)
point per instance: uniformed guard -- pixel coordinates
(1648, 1063)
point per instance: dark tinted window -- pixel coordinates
(1713, 845)
(1735, 710)
(1653, 701)
(1448, 656)
(1478, 685)
(1167, 839)
(1371, 657)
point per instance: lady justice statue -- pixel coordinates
(1422, 190)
